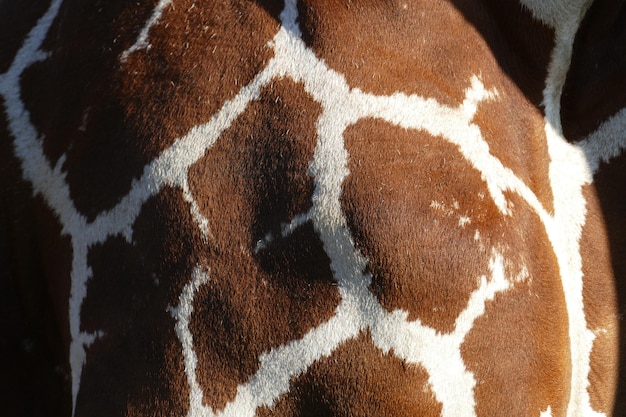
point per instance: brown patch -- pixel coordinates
(386, 48)
(104, 113)
(401, 201)
(138, 373)
(150, 272)
(600, 305)
(201, 54)
(358, 380)
(514, 131)
(390, 46)
(56, 263)
(128, 299)
(520, 44)
(610, 183)
(34, 288)
(73, 102)
(595, 88)
(604, 362)
(249, 308)
(519, 348)
(261, 164)
(249, 183)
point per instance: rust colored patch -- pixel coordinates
(610, 183)
(520, 44)
(519, 348)
(600, 304)
(253, 180)
(604, 362)
(404, 199)
(514, 130)
(387, 48)
(358, 380)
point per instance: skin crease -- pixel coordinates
(370, 193)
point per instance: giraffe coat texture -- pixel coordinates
(312, 208)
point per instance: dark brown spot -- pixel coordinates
(16, 20)
(252, 181)
(358, 380)
(129, 297)
(112, 117)
(34, 289)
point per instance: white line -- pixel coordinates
(568, 172)
(342, 106)
(607, 142)
(142, 40)
(182, 314)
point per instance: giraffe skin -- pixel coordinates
(351, 212)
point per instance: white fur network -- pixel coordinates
(439, 354)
